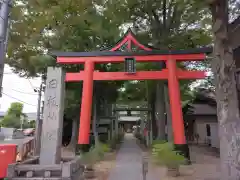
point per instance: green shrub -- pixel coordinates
(164, 154)
(158, 142)
(95, 154)
(105, 148)
(117, 139)
(87, 158)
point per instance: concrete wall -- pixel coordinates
(200, 129)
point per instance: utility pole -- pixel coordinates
(38, 129)
(4, 25)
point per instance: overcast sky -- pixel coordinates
(16, 89)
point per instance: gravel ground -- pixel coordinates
(103, 168)
(205, 166)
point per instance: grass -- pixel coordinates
(95, 154)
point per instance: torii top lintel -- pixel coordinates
(129, 38)
(146, 53)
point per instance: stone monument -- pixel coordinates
(51, 139)
(50, 165)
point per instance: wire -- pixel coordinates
(31, 84)
(25, 92)
(18, 99)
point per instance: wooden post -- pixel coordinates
(151, 131)
(176, 109)
(159, 111)
(142, 124)
(175, 103)
(168, 115)
(94, 122)
(112, 128)
(86, 106)
(109, 135)
(51, 139)
(116, 124)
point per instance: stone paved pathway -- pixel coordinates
(129, 162)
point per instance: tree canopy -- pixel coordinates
(39, 27)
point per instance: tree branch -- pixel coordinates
(156, 17)
(164, 14)
(210, 2)
(175, 14)
(169, 11)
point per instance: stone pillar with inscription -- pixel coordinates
(51, 140)
(50, 165)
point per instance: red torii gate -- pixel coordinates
(147, 54)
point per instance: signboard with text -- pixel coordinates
(130, 65)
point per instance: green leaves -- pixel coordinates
(16, 109)
(13, 116)
(175, 24)
(11, 121)
(40, 26)
(163, 153)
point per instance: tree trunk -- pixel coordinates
(224, 69)
(168, 115)
(107, 108)
(94, 127)
(160, 111)
(73, 141)
(153, 112)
